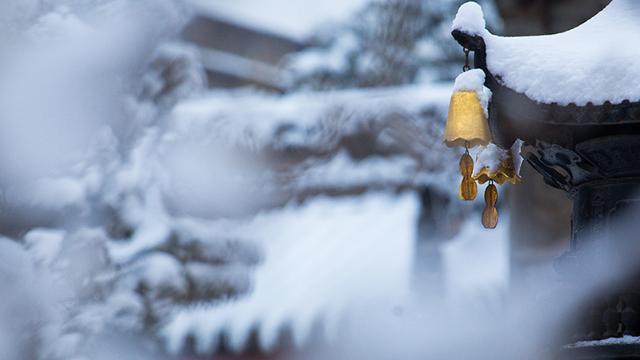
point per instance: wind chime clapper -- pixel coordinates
(467, 126)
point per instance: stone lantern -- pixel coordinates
(574, 99)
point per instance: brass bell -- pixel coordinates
(466, 126)
(466, 123)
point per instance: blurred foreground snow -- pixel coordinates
(327, 261)
(131, 196)
(321, 259)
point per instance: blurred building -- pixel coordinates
(340, 144)
(334, 161)
(236, 55)
(343, 145)
(244, 42)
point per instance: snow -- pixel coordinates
(473, 80)
(161, 272)
(408, 119)
(334, 59)
(256, 119)
(560, 69)
(469, 19)
(289, 18)
(152, 227)
(625, 340)
(476, 261)
(50, 193)
(491, 156)
(516, 153)
(84, 105)
(44, 244)
(29, 297)
(342, 172)
(321, 258)
(214, 279)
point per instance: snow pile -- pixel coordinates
(473, 80)
(469, 19)
(491, 156)
(321, 259)
(76, 281)
(559, 68)
(624, 340)
(28, 300)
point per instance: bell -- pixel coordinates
(467, 123)
(466, 126)
(505, 172)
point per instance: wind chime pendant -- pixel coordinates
(490, 213)
(468, 189)
(467, 125)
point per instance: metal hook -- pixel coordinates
(466, 66)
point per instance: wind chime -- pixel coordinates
(467, 127)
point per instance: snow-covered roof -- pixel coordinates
(593, 63)
(289, 18)
(329, 258)
(321, 259)
(407, 119)
(257, 120)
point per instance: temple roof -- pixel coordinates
(594, 63)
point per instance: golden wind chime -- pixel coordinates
(467, 126)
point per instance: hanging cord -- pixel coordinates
(466, 66)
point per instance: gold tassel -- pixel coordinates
(468, 189)
(490, 213)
